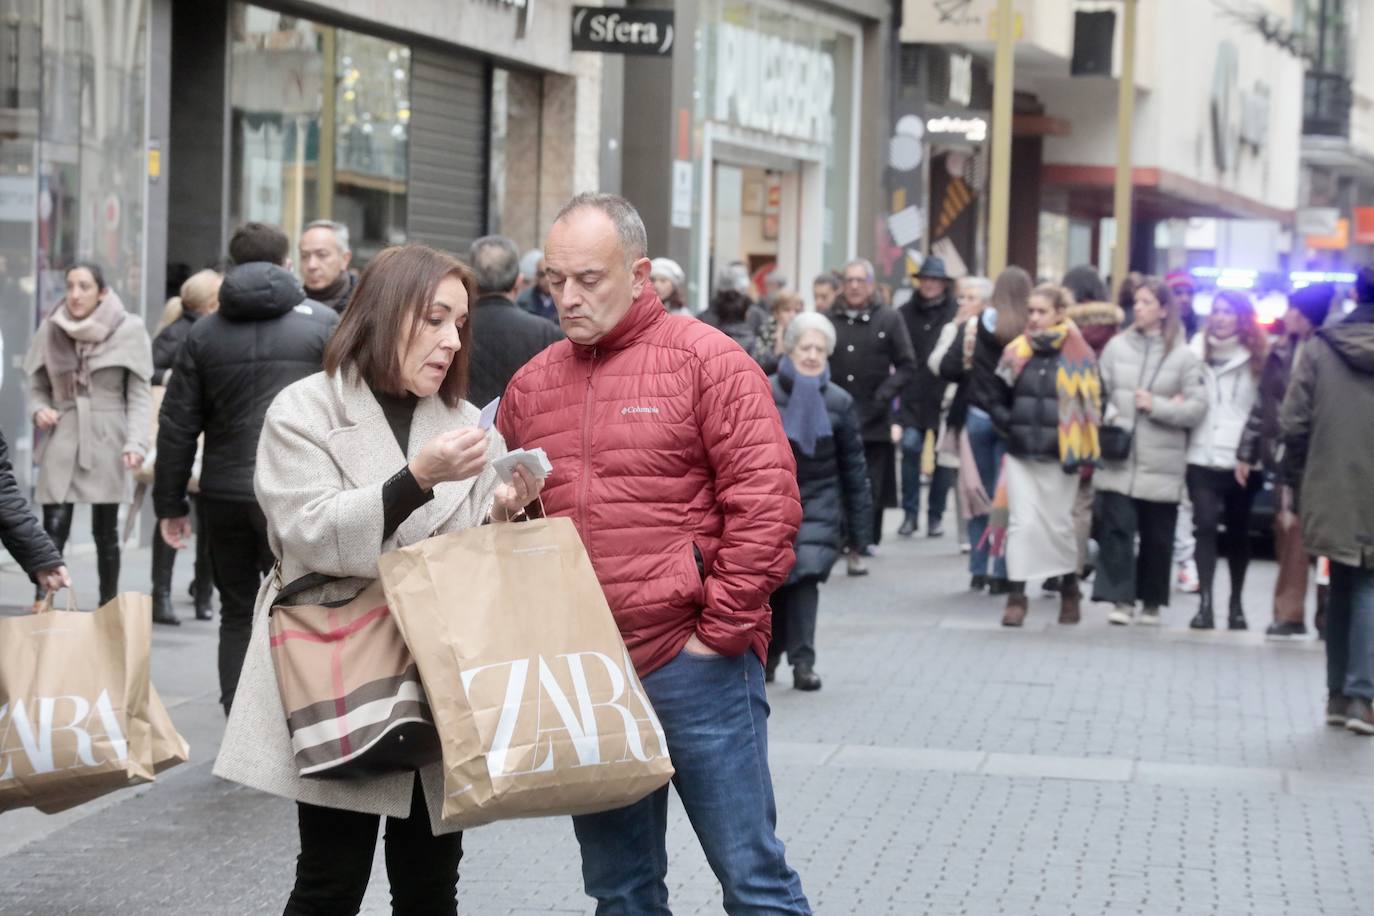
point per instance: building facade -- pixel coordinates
(756, 140)
(1216, 133)
(138, 133)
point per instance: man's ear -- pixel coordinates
(642, 269)
(347, 258)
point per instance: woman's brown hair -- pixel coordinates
(392, 299)
(1010, 295)
(1248, 329)
(1173, 324)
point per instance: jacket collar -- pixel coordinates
(366, 450)
(645, 312)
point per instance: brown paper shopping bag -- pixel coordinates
(538, 706)
(74, 704)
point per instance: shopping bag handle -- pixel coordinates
(48, 602)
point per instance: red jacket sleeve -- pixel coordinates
(756, 487)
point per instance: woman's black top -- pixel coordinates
(401, 494)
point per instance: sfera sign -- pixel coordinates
(617, 30)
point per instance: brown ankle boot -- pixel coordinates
(1070, 601)
(1017, 607)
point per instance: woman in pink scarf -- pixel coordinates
(89, 368)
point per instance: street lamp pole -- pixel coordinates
(999, 185)
(1125, 115)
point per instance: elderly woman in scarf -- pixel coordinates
(832, 476)
(1050, 416)
(89, 368)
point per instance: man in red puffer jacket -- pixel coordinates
(669, 456)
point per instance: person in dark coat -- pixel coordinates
(536, 299)
(325, 255)
(823, 429)
(873, 360)
(265, 336)
(505, 337)
(22, 535)
(931, 307)
(1260, 451)
(1327, 425)
(199, 297)
(729, 313)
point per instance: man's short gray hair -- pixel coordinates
(982, 284)
(339, 229)
(529, 264)
(809, 321)
(634, 240)
(495, 263)
(866, 264)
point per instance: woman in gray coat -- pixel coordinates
(378, 451)
(89, 368)
(1154, 393)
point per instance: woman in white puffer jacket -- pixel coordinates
(1232, 351)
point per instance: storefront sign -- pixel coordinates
(954, 22)
(1364, 225)
(961, 79)
(617, 30)
(1317, 220)
(974, 130)
(682, 194)
(18, 202)
(1335, 241)
(771, 85)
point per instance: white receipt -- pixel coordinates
(534, 461)
(488, 414)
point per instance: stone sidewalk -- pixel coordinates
(948, 767)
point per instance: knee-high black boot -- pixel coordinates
(105, 531)
(57, 522)
(164, 559)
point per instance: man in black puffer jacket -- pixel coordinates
(265, 336)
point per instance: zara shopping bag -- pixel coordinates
(538, 706)
(77, 712)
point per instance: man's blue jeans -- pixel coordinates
(715, 715)
(913, 446)
(988, 449)
(1350, 632)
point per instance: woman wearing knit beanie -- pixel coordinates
(670, 282)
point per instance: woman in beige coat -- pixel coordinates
(376, 452)
(1153, 387)
(89, 368)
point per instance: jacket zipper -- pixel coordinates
(588, 403)
(1135, 445)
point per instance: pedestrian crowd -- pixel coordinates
(717, 467)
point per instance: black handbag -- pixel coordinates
(1115, 442)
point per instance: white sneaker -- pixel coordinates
(1121, 615)
(1187, 578)
(1149, 617)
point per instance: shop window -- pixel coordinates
(90, 188)
(321, 128)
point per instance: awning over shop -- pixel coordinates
(1159, 194)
